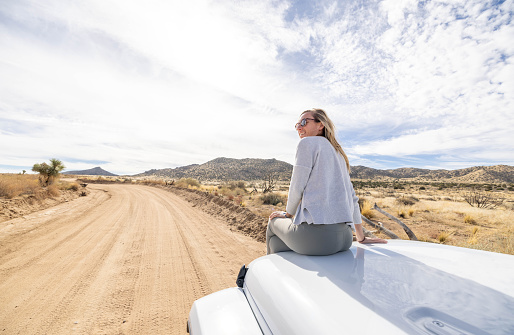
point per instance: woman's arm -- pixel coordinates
(304, 161)
(280, 214)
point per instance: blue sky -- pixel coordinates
(138, 85)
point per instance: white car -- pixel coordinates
(403, 287)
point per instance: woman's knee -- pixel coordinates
(275, 244)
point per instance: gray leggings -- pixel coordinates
(307, 239)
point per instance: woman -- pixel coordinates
(322, 208)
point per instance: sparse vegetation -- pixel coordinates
(269, 182)
(474, 236)
(469, 219)
(435, 211)
(407, 200)
(367, 209)
(27, 190)
(443, 237)
(480, 199)
(187, 182)
(13, 185)
(272, 199)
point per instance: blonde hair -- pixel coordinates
(329, 131)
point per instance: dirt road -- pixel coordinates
(127, 259)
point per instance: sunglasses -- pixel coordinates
(302, 123)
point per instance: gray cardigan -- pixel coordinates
(320, 190)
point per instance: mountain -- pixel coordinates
(477, 174)
(97, 171)
(252, 169)
(224, 169)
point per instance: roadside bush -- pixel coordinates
(272, 199)
(233, 185)
(53, 191)
(186, 182)
(233, 189)
(9, 190)
(74, 186)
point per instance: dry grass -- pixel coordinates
(443, 236)
(443, 216)
(436, 216)
(469, 219)
(16, 185)
(367, 209)
(13, 185)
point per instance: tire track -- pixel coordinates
(130, 261)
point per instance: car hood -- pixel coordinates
(400, 287)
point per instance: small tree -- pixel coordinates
(48, 173)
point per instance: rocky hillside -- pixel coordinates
(97, 171)
(252, 169)
(224, 169)
(477, 174)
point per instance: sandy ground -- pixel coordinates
(126, 259)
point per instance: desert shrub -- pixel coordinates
(148, 182)
(443, 237)
(233, 188)
(64, 185)
(405, 213)
(186, 182)
(235, 185)
(474, 236)
(469, 219)
(52, 190)
(367, 209)
(407, 201)
(272, 198)
(9, 190)
(422, 188)
(74, 187)
(479, 199)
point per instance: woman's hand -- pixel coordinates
(280, 214)
(368, 240)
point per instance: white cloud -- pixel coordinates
(161, 84)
